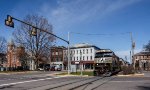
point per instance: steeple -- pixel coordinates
(11, 45)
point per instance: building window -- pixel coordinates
(64, 58)
(83, 57)
(60, 53)
(52, 60)
(83, 51)
(77, 58)
(141, 57)
(59, 59)
(71, 52)
(56, 53)
(55, 59)
(87, 51)
(91, 57)
(145, 57)
(87, 57)
(91, 50)
(77, 51)
(74, 58)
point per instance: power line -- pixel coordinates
(89, 34)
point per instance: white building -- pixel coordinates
(82, 54)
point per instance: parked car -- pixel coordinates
(52, 68)
(55, 68)
(41, 69)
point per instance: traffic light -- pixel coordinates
(9, 21)
(34, 31)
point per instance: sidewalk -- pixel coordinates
(132, 75)
(15, 72)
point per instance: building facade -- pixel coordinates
(12, 59)
(81, 54)
(57, 56)
(142, 60)
(2, 60)
(16, 57)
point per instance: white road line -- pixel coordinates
(26, 81)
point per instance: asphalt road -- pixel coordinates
(46, 81)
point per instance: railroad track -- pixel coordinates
(74, 84)
(82, 84)
(89, 84)
(58, 85)
(93, 85)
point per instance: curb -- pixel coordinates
(130, 75)
(17, 72)
(71, 75)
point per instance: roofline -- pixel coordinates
(85, 47)
(142, 53)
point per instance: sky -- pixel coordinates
(104, 23)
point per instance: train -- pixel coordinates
(106, 63)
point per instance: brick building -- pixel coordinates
(57, 56)
(12, 59)
(142, 59)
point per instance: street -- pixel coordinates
(47, 81)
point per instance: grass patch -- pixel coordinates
(62, 73)
(89, 73)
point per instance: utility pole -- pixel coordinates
(69, 53)
(130, 57)
(81, 64)
(132, 49)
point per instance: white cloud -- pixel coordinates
(70, 12)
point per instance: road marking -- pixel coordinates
(132, 81)
(28, 81)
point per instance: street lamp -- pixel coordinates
(81, 63)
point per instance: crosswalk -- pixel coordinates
(23, 77)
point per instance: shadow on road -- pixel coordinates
(144, 87)
(10, 86)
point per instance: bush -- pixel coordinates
(127, 70)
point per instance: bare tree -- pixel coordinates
(35, 45)
(147, 47)
(2, 45)
(23, 56)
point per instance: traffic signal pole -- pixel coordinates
(9, 22)
(40, 29)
